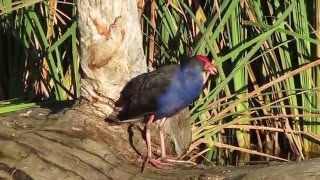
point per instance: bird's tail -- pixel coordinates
(120, 116)
(131, 120)
(114, 116)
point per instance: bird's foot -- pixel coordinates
(160, 164)
(157, 163)
(167, 160)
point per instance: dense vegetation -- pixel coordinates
(265, 102)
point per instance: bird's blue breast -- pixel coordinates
(184, 88)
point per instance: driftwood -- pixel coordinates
(41, 143)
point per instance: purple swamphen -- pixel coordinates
(161, 94)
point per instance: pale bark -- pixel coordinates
(111, 50)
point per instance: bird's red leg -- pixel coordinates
(163, 147)
(162, 143)
(148, 136)
(154, 162)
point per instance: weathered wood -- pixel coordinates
(42, 144)
(308, 170)
(74, 145)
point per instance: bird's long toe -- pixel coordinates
(159, 164)
(177, 161)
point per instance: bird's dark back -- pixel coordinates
(163, 92)
(139, 97)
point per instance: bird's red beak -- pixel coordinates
(210, 68)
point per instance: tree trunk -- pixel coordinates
(53, 143)
(40, 143)
(111, 50)
(112, 54)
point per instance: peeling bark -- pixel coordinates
(111, 50)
